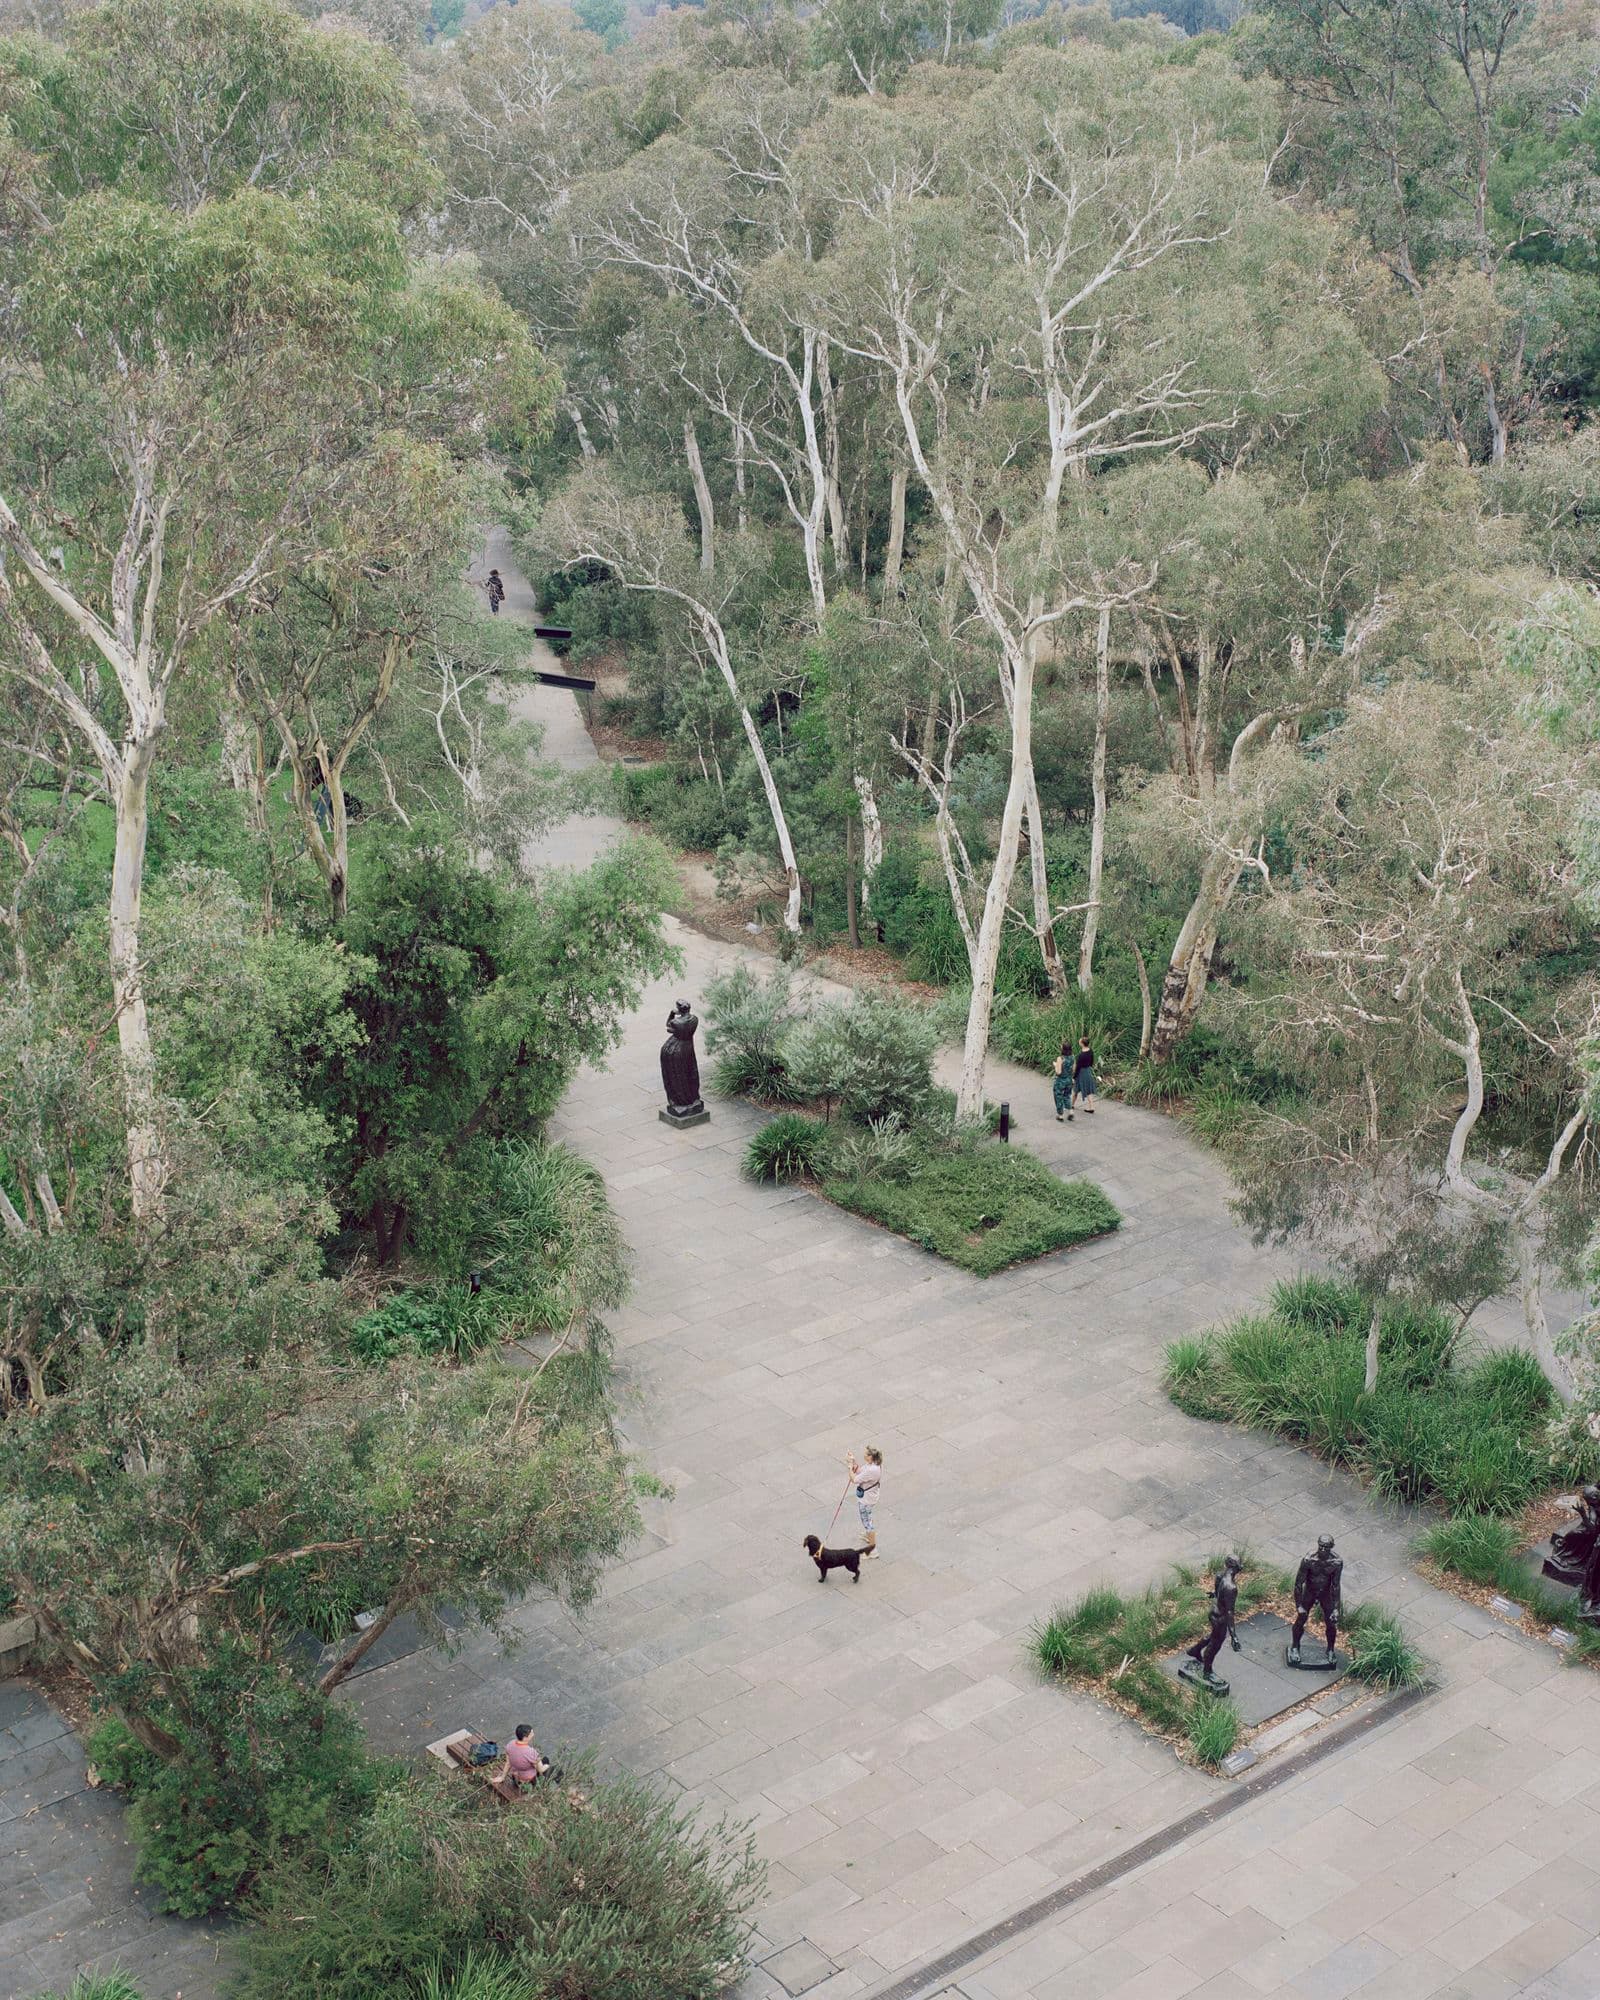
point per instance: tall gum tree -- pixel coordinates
(1041, 277)
(189, 431)
(641, 542)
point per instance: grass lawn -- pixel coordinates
(982, 1209)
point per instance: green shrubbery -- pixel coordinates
(1487, 1550)
(791, 1147)
(1382, 1655)
(689, 812)
(981, 1205)
(603, 1890)
(286, 1775)
(1470, 1435)
(895, 1153)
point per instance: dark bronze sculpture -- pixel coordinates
(1574, 1557)
(1317, 1588)
(680, 1070)
(1224, 1603)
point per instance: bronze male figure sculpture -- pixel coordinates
(1317, 1588)
(1224, 1603)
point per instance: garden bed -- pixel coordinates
(1485, 1559)
(876, 1135)
(1473, 1434)
(983, 1208)
(1114, 1647)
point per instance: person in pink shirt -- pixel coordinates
(524, 1765)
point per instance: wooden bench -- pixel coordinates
(456, 1751)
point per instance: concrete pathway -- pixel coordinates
(910, 1778)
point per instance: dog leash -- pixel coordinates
(843, 1497)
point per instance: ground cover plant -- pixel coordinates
(1468, 1431)
(607, 1890)
(982, 1206)
(877, 1135)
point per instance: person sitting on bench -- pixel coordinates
(524, 1765)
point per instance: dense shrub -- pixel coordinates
(1471, 1436)
(603, 1890)
(748, 1020)
(982, 1207)
(877, 1151)
(447, 1321)
(688, 811)
(788, 1148)
(284, 1777)
(870, 1055)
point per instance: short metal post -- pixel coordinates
(1005, 1124)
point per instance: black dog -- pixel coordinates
(826, 1559)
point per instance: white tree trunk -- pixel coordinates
(1039, 881)
(585, 442)
(1144, 1000)
(871, 837)
(894, 555)
(1190, 965)
(702, 496)
(1097, 829)
(974, 1054)
(717, 642)
(146, 1165)
(1374, 1333)
(838, 527)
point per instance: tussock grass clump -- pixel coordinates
(1382, 1655)
(791, 1147)
(1470, 1434)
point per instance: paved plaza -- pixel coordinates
(911, 1779)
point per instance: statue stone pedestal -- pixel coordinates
(1196, 1675)
(1329, 1663)
(684, 1118)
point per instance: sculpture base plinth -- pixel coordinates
(1323, 1662)
(1196, 1675)
(696, 1115)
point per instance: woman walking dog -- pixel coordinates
(868, 1476)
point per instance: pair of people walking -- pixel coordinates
(1073, 1079)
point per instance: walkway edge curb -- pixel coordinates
(925, 1981)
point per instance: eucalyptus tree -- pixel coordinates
(641, 542)
(1053, 276)
(1434, 848)
(1450, 127)
(216, 348)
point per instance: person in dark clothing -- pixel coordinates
(1061, 1083)
(1083, 1075)
(497, 591)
